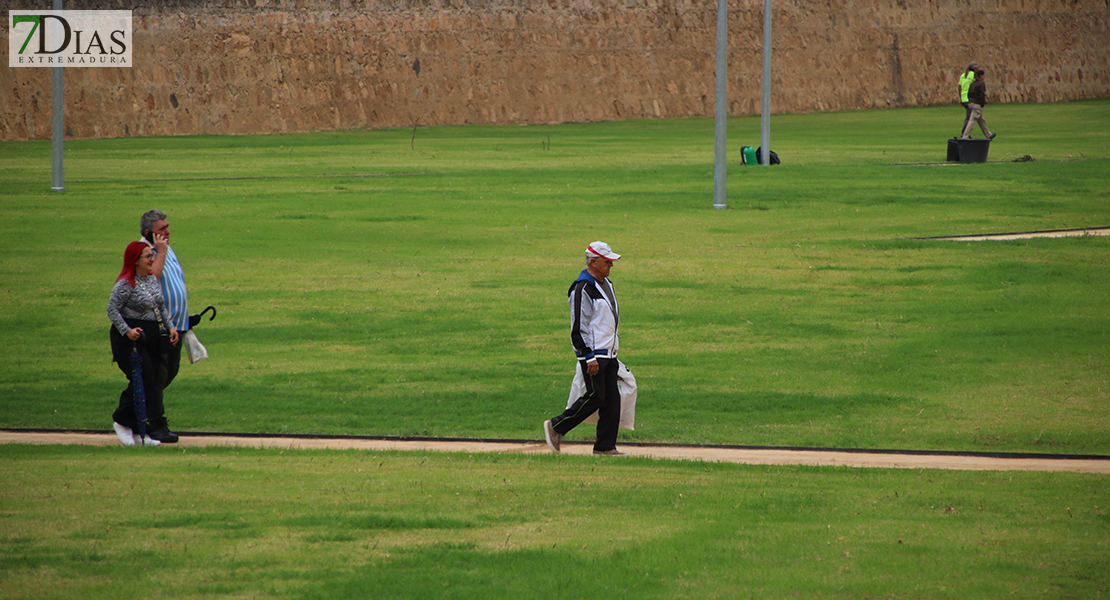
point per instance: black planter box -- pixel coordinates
(973, 151)
(953, 150)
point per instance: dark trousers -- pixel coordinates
(172, 365)
(604, 397)
(154, 380)
(173, 360)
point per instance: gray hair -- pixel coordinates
(150, 217)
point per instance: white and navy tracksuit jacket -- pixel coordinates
(594, 318)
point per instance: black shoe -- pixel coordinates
(992, 136)
(163, 435)
(613, 452)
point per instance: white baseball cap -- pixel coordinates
(601, 250)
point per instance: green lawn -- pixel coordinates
(412, 283)
(403, 282)
(123, 523)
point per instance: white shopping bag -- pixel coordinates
(193, 348)
(627, 384)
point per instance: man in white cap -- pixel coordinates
(593, 333)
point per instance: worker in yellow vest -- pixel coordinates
(966, 80)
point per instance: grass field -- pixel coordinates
(119, 523)
(406, 282)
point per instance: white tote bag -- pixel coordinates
(627, 385)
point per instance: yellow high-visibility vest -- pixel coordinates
(965, 84)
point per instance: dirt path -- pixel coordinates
(1054, 233)
(830, 458)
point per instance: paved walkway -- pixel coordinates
(773, 456)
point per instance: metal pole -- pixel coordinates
(57, 171)
(720, 125)
(765, 117)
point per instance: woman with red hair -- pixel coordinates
(140, 322)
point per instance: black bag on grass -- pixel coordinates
(759, 157)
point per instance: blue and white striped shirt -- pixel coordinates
(173, 291)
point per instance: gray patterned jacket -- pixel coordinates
(144, 302)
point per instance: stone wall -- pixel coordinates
(260, 66)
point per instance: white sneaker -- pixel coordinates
(550, 436)
(124, 434)
(149, 441)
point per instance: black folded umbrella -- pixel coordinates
(195, 319)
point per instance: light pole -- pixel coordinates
(720, 124)
(765, 116)
(57, 146)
